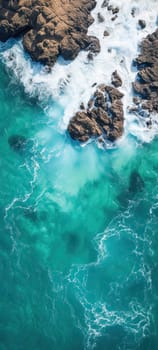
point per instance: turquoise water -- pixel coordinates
(79, 235)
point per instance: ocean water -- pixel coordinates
(78, 224)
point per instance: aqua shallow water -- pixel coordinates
(78, 252)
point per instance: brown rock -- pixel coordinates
(100, 17)
(90, 56)
(110, 7)
(106, 33)
(114, 94)
(103, 116)
(93, 44)
(149, 74)
(49, 27)
(82, 107)
(69, 48)
(105, 3)
(114, 17)
(136, 100)
(116, 80)
(115, 10)
(99, 99)
(117, 110)
(82, 127)
(146, 84)
(115, 132)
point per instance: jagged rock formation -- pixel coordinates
(49, 27)
(103, 116)
(146, 84)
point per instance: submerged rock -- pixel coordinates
(49, 28)
(72, 241)
(31, 214)
(103, 116)
(17, 142)
(136, 183)
(21, 144)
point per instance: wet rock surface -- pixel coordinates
(146, 84)
(103, 116)
(142, 23)
(106, 33)
(100, 17)
(105, 3)
(49, 28)
(116, 79)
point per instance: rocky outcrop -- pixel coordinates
(49, 27)
(103, 116)
(116, 79)
(142, 23)
(146, 84)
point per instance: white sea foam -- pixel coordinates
(116, 306)
(70, 83)
(132, 314)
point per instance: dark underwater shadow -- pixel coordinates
(135, 185)
(112, 340)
